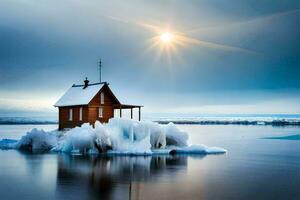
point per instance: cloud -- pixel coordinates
(46, 48)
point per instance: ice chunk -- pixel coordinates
(37, 140)
(174, 136)
(77, 140)
(215, 150)
(129, 137)
(85, 139)
(103, 142)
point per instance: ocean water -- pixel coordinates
(253, 168)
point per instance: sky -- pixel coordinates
(225, 57)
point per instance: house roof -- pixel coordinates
(78, 95)
(81, 95)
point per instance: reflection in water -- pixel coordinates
(254, 168)
(113, 177)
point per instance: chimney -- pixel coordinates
(86, 83)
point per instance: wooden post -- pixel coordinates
(139, 113)
(120, 111)
(131, 114)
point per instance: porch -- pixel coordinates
(121, 107)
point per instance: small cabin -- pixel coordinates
(88, 103)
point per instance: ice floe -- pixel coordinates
(286, 137)
(118, 136)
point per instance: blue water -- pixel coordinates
(253, 168)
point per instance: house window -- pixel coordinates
(70, 114)
(102, 98)
(80, 113)
(100, 112)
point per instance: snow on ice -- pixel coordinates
(118, 136)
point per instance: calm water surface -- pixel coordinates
(253, 168)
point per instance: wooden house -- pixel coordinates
(88, 103)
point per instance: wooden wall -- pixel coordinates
(63, 116)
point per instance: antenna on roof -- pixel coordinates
(100, 66)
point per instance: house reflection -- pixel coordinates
(112, 177)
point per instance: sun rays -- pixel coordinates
(167, 42)
(166, 46)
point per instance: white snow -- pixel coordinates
(76, 95)
(118, 136)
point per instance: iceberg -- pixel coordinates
(118, 136)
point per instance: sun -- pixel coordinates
(166, 37)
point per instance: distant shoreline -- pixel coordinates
(202, 121)
(27, 123)
(227, 122)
